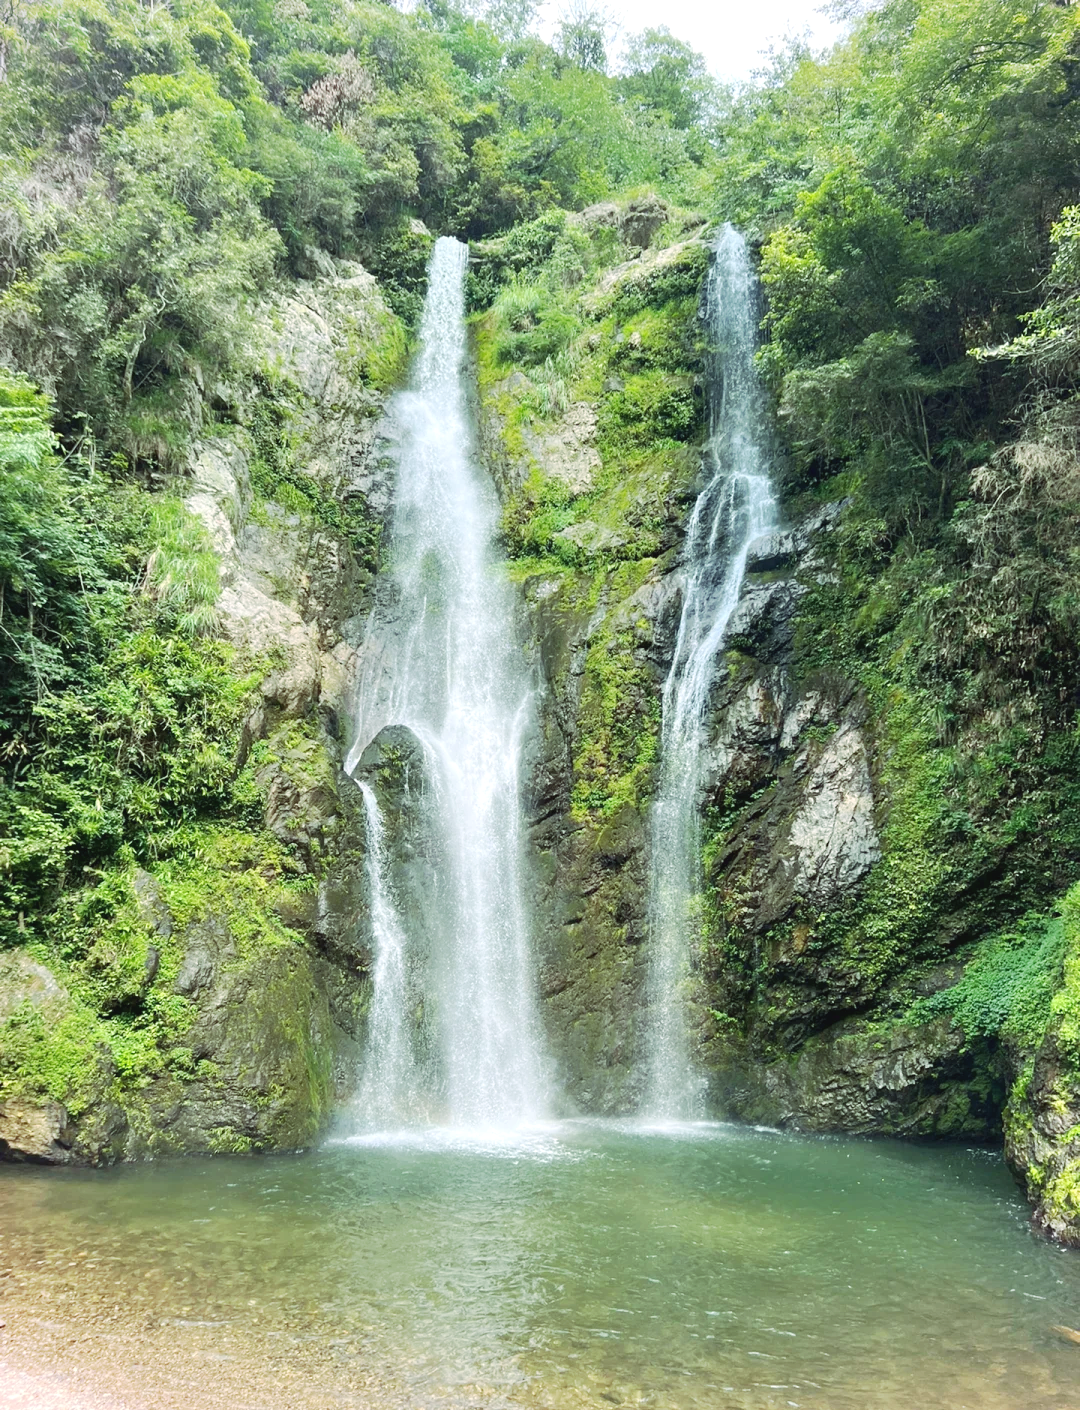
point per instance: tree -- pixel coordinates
(511, 20)
(583, 34)
(665, 76)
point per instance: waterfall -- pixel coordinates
(390, 1086)
(736, 507)
(446, 664)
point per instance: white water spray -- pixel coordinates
(451, 670)
(390, 1089)
(736, 507)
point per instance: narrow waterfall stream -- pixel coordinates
(736, 507)
(450, 671)
(390, 1089)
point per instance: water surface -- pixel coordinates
(581, 1264)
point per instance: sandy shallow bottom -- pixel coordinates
(69, 1351)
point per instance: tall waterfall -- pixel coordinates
(735, 507)
(452, 672)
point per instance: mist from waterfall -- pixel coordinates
(736, 506)
(446, 664)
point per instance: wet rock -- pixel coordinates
(833, 834)
(763, 618)
(266, 1039)
(568, 451)
(899, 1078)
(394, 758)
(303, 786)
(31, 1131)
(771, 552)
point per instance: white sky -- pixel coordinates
(732, 34)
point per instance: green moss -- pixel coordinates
(241, 879)
(619, 713)
(376, 354)
(665, 338)
(58, 1060)
(1060, 1196)
(123, 1025)
(902, 897)
(1065, 1005)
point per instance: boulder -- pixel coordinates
(24, 981)
(34, 1131)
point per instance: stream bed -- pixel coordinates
(578, 1264)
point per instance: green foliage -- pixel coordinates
(122, 718)
(162, 167)
(400, 262)
(1008, 986)
(654, 406)
(132, 279)
(43, 555)
(522, 254)
(905, 188)
(582, 36)
(182, 569)
(667, 78)
(533, 325)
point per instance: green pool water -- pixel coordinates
(592, 1264)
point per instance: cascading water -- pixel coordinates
(390, 1088)
(736, 507)
(451, 671)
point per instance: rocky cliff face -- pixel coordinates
(256, 949)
